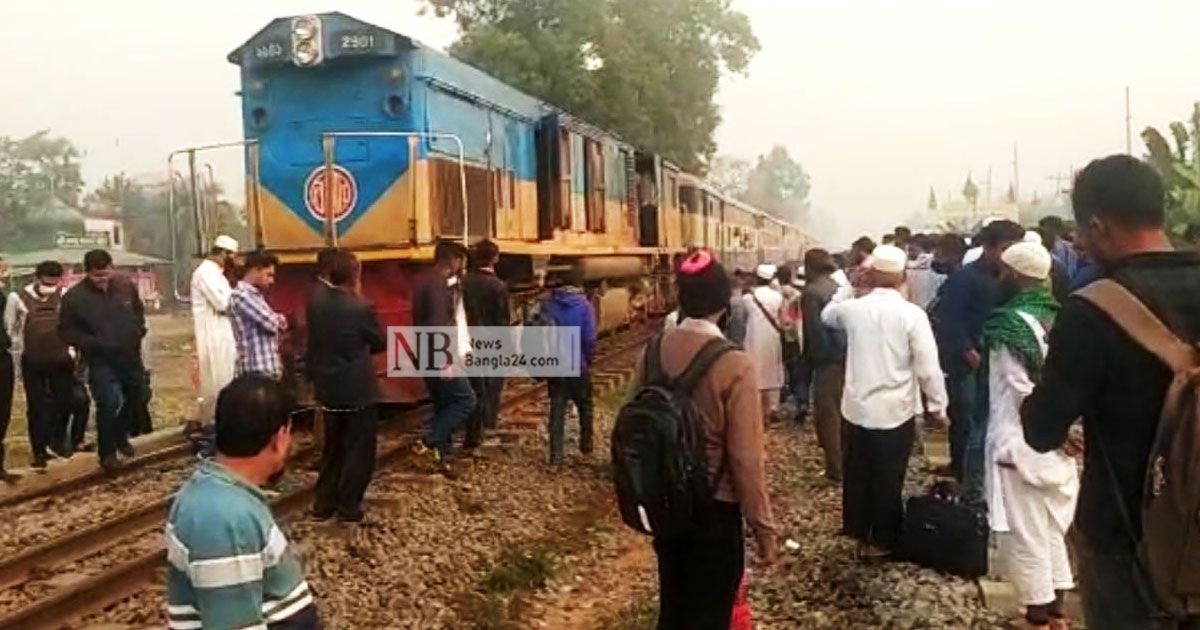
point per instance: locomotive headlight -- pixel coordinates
(306, 53)
(306, 40)
(304, 29)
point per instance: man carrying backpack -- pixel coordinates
(696, 383)
(1134, 562)
(47, 364)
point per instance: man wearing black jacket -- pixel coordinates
(825, 351)
(436, 300)
(103, 318)
(1096, 371)
(485, 297)
(343, 333)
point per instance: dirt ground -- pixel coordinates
(169, 353)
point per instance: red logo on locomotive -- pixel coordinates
(345, 193)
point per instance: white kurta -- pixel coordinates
(216, 349)
(762, 339)
(1033, 496)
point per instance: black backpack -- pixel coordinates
(659, 464)
(44, 347)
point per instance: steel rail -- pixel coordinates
(124, 580)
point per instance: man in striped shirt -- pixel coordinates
(256, 326)
(229, 564)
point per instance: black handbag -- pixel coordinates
(941, 532)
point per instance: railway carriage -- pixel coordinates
(359, 137)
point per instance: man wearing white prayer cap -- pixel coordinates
(1030, 495)
(216, 349)
(892, 377)
(764, 321)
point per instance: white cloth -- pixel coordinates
(973, 254)
(216, 349)
(1033, 498)
(891, 358)
(923, 282)
(762, 339)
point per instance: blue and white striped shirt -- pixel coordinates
(229, 564)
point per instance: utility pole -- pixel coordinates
(1016, 164)
(1128, 125)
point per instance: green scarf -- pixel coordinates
(1006, 328)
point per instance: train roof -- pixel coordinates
(436, 68)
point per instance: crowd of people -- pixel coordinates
(997, 337)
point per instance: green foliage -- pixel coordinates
(645, 69)
(521, 570)
(779, 185)
(729, 175)
(1179, 166)
(38, 174)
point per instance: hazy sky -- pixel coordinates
(879, 100)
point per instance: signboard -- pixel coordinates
(62, 240)
(345, 193)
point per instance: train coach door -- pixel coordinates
(549, 166)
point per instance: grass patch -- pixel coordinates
(521, 571)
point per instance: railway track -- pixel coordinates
(51, 584)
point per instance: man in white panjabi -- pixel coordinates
(892, 376)
(216, 348)
(763, 324)
(1031, 496)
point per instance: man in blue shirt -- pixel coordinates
(229, 564)
(569, 306)
(967, 298)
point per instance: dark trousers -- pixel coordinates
(139, 413)
(80, 409)
(114, 387)
(962, 389)
(577, 389)
(453, 401)
(828, 381)
(698, 575)
(347, 461)
(873, 470)
(49, 394)
(968, 392)
(799, 384)
(1111, 597)
(487, 407)
(6, 396)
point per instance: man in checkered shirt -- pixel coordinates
(256, 326)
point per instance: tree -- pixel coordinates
(36, 173)
(779, 185)
(1179, 167)
(645, 69)
(729, 175)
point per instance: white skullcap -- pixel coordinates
(1033, 237)
(766, 271)
(888, 259)
(1028, 259)
(226, 243)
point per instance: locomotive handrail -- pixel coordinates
(171, 175)
(330, 137)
